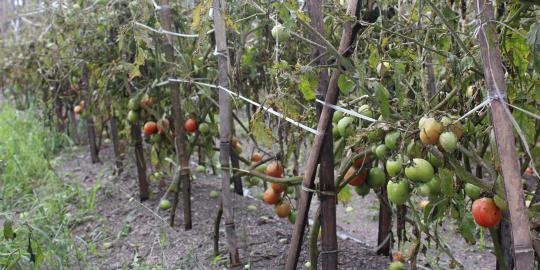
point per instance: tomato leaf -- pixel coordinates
(382, 95)
(467, 228)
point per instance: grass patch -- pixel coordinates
(37, 209)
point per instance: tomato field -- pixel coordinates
(292, 134)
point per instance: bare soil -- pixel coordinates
(123, 233)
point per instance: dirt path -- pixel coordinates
(123, 233)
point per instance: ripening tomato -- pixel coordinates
(190, 125)
(163, 125)
(430, 129)
(486, 213)
(270, 196)
(78, 109)
(278, 188)
(274, 169)
(283, 210)
(147, 102)
(356, 181)
(256, 157)
(150, 128)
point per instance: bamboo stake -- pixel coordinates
(502, 127)
(324, 122)
(225, 128)
(328, 203)
(183, 173)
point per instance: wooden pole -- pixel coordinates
(73, 125)
(324, 122)
(87, 95)
(225, 127)
(326, 171)
(385, 224)
(183, 175)
(502, 127)
(116, 143)
(139, 161)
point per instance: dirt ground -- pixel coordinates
(123, 233)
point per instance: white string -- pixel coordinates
(478, 107)
(267, 109)
(161, 31)
(522, 110)
(347, 111)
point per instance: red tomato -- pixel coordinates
(190, 125)
(278, 188)
(150, 128)
(486, 213)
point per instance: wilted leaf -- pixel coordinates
(308, 85)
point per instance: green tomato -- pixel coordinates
(290, 190)
(376, 178)
(447, 182)
(396, 266)
(448, 141)
(335, 133)
(134, 104)
(280, 33)
(390, 140)
(472, 191)
(345, 127)
(337, 116)
(381, 151)
(292, 217)
(435, 185)
(399, 192)
(262, 168)
(423, 190)
(394, 167)
(204, 128)
(200, 169)
(164, 204)
(421, 170)
(366, 111)
(214, 194)
(133, 116)
(362, 189)
(499, 202)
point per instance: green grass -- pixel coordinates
(42, 208)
